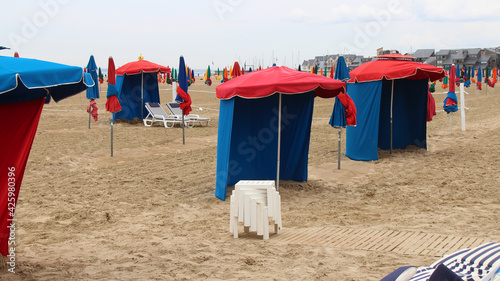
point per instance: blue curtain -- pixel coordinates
(247, 144)
(373, 104)
(129, 94)
(409, 114)
(362, 140)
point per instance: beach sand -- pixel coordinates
(149, 212)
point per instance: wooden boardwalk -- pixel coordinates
(402, 242)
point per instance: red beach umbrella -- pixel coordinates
(236, 70)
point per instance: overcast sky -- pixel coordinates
(250, 31)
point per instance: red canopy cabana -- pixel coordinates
(142, 67)
(250, 110)
(374, 91)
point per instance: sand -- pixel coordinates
(149, 212)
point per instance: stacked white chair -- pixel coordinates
(254, 203)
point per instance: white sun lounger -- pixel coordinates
(157, 114)
(176, 112)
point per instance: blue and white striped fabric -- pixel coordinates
(469, 264)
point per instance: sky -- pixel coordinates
(252, 32)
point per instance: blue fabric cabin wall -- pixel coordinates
(129, 94)
(248, 139)
(225, 129)
(362, 140)
(409, 114)
(373, 101)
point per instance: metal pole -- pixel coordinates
(111, 122)
(392, 103)
(340, 135)
(183, 138)
(451, 122)
(279, 145)
(142, 94)
(462, 105)
(89, 116)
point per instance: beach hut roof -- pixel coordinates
(279, 79)
(389, 69)
(139, 66)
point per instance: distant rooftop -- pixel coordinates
(423, 53)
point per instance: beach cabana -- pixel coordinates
(390, 94)
(265, 124)
(137, 83)
(24, 86)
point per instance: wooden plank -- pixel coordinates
(404, 242)
(353, 238)
(316, 235)
(297, 236)
(426, 242)
(369, 239)
(382, 239)
(442, 248)
(337, 240)
(409, 243)
(432, 247)
(397, 240)
(351, 242)
(334, 235)
(457, 245)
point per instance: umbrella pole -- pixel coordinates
(392, 103)
(183, 137)
(89, 117)
(462, 105)
(451, 122)
(279, 146)
(111, 123)
(142, 94)
(208, 91)
(340, 136)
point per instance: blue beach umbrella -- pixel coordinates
(182, 79)
(24, 85)
(183, 85)
(93, 92)
(338, 118)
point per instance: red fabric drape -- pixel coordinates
(431, 106)
(18, 133)
(186, 105)
(350, 109)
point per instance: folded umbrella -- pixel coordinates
(112, 103)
